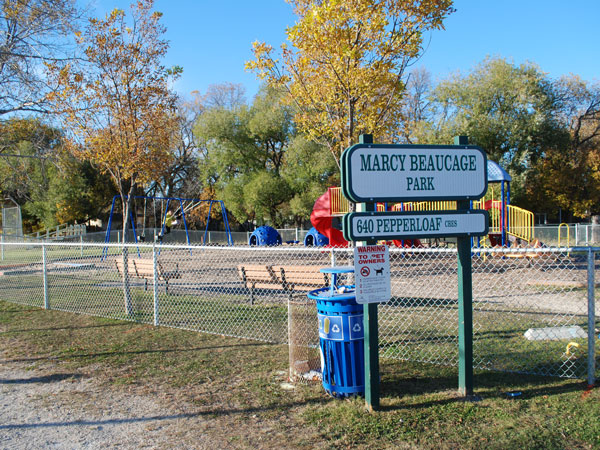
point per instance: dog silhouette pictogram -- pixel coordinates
(379, 271)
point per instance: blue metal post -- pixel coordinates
(226, 222)
(107, 238)
(507, 203)
(164, 219)
(134, 232)
(503, 213)
(207, 221)
(187, 235)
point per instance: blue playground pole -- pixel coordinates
(107, 238)
(503, 213)
(507, 203)
(226, 223)
(187, 235)
(164, 219)
(207, 221)
(134, 232)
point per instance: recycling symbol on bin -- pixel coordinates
(356, 328)
(335, 329)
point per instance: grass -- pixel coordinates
(416, 329)
(236, 384)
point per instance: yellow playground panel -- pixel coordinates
(520, 221)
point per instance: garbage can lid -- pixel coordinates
(337, 269)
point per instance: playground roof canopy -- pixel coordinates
(496, 174)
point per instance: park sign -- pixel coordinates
(361, 226)
(401, 173)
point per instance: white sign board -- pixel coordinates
(404, 173)
(362, 226)
(372, 274)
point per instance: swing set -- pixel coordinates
(182, 206)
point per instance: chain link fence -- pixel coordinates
(533, 309)
(568, 234)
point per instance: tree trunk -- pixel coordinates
(126, 288)
(595, 229)
(127, 201)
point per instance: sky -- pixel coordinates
(212, 39)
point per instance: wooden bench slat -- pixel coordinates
(303, 278)
(144, 269)
(290, 279)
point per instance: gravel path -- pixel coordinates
(53, 410)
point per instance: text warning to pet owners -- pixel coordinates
(372, 274)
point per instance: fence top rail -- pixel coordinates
(283, 249)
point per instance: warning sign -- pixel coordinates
(372, 274)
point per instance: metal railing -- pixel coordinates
(58, 232)
(530, 305)
(520, 221)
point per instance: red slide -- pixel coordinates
(321, 220)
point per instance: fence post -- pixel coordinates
(591, 319)
(126, 287)
(81, 245)
(155, 284)
(587, 239)
(2, 246)
(45, 277)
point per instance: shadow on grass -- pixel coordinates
(29, 330)
(43, 379)
(133, 352)
(487, 386)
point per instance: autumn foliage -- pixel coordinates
(117, 105)
(344, 69)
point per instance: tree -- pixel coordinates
(308, 173)
(51, 186)
(508, 110)
(117, 105)
(568, 175)
(181, 178)
(345, 70)
(27, 149)
(32, 32)
(246, 158)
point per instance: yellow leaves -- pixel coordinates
(264, 64)
(348, 57)
(117, 105)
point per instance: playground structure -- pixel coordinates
(509, 224)
(315, 239)
(265, 235)
(182, 206)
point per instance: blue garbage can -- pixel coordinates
(341, 341)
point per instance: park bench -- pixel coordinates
(144, 269)
(289, 279)
(257, 276)
(300, 278)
